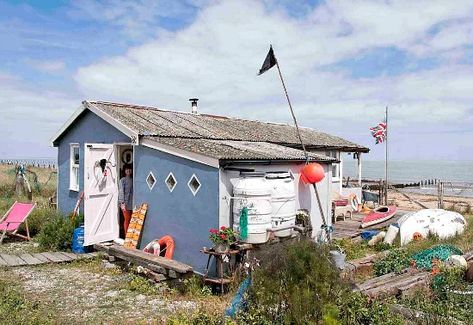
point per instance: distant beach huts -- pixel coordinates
(184, 167)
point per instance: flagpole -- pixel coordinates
(386, 159)
(292, 112)
(319, 203)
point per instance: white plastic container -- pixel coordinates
(391, 234)
(252, 191)
(283, 202)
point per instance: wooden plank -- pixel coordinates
(52, 257)
(155, 263)
(30, 259)
(135, 226)
(3, 262)
(72, 256)
(42, 258)
(13, 260)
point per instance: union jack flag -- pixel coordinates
(379, 132)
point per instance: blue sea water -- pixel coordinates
(412, 170)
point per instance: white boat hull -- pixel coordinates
(438, 222)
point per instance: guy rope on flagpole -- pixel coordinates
(268, 63)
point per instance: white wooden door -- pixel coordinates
(100, 193)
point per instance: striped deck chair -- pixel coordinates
(12, 220)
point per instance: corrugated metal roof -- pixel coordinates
(151, 121)
(237, 150)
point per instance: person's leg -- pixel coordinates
(127, 217)
(121, 225)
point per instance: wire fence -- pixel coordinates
(49, 163)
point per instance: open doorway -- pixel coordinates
(125, 187)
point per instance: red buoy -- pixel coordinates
(312, 173)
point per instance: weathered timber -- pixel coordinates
(71, 256)
(41, 257)
(402, 284)
(30, 259)
(397, 284)
(3, 262)
(13, 260)
(154, 263)
(53, 257)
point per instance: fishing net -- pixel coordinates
(423, 259)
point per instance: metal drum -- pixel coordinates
(252, 191)
(283, 202)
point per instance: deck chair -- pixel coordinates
(12, 220)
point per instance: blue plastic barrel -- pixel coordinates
(78, 240)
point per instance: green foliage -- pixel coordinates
(353, 250)
(40, 216)
(395, 261)
(195, 287)
(56, 234)
(142, 285)
(197, 318)
(16, 309)
(290, 277)
(358, 309)
(224, 235)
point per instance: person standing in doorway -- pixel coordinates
(125, 195)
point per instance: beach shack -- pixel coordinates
(185, 165)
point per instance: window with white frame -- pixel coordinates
(336, 166)
(194, 184)
(74, 170)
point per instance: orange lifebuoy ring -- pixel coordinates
(168, 243)
(158, 246)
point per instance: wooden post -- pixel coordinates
(359, 168)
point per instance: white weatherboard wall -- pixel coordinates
(305, 195)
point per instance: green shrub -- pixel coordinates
(141, 285)
(395, 261)
(40, 216)
(56, 234)
(291, 276)
(195, 287)
(355, 308)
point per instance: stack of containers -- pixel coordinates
(270, 199)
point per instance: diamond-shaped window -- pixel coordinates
(150, 180)
(171, 182)
(194, 184)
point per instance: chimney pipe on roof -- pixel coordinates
(194, 104)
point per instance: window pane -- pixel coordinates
(75, 155)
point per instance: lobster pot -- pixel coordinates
(252, 191)
(283, 202)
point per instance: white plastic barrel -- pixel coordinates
(252, 191)
(283, 202)
(391, 234)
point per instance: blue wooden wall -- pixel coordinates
(88, 128)
(187, 218)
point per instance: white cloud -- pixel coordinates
(30, 116)
(216, 59)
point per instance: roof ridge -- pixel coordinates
(135, 106)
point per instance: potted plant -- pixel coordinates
(222, 238)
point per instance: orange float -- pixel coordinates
(312, 173)
(162, 245)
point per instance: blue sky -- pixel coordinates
(343, 64)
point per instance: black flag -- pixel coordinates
(269, 62)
